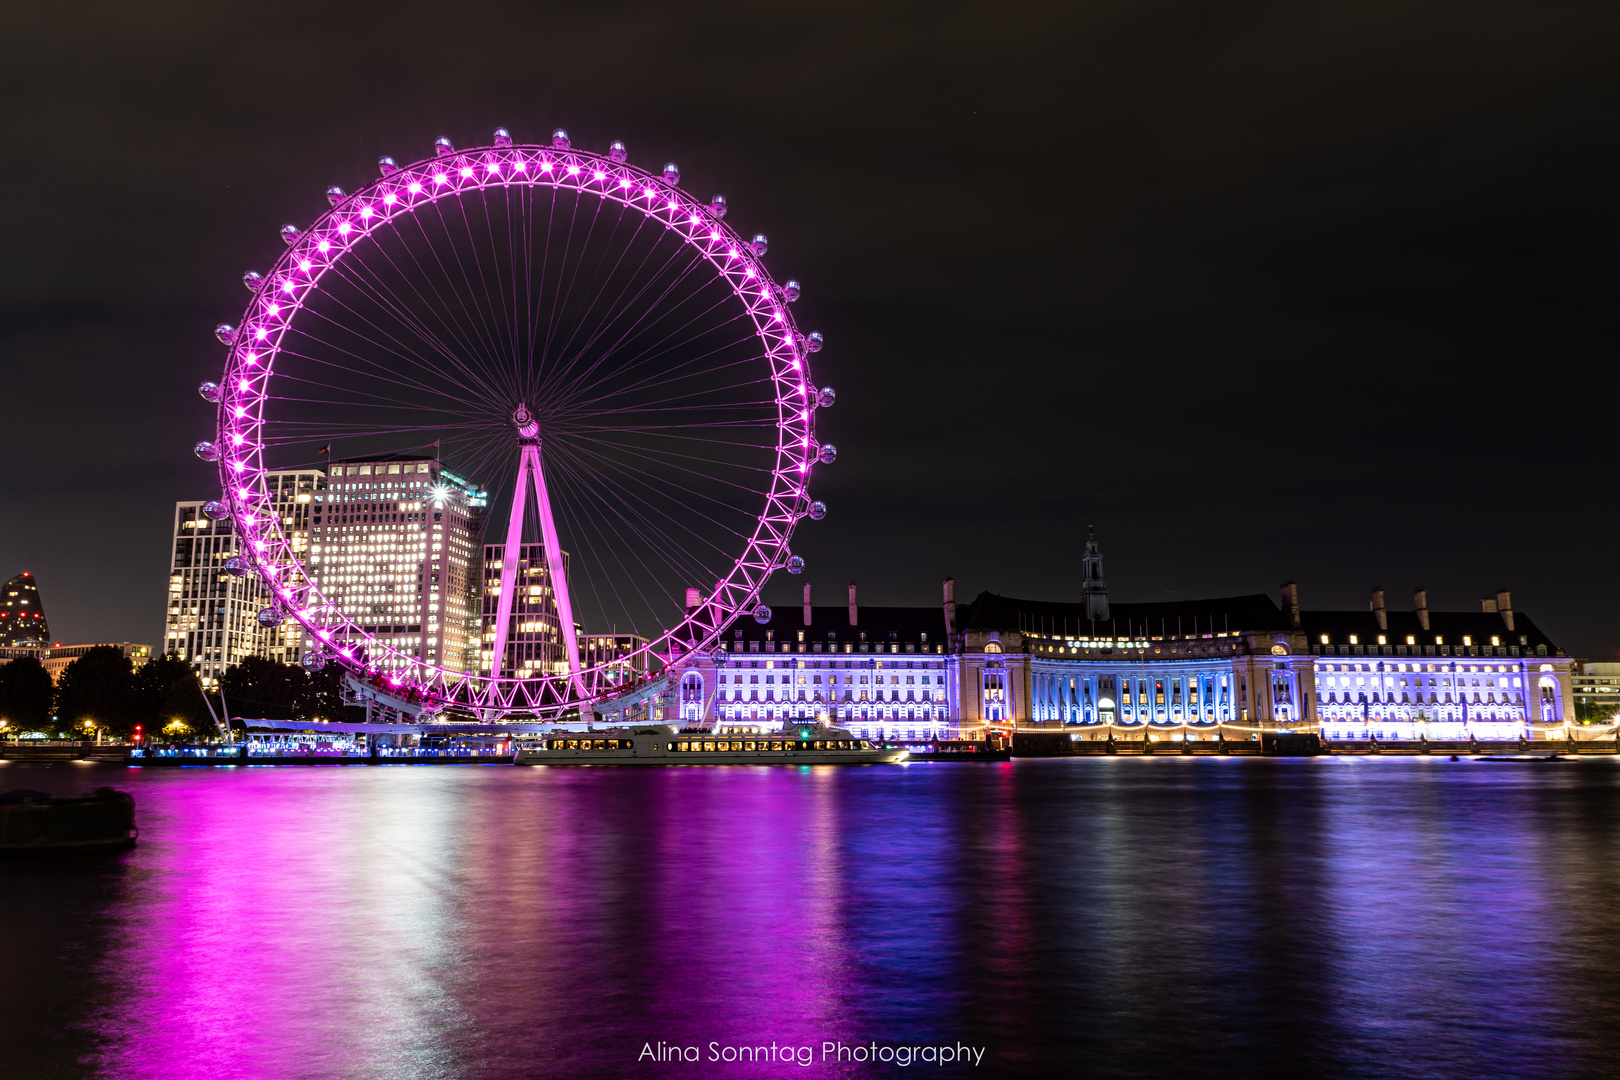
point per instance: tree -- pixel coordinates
(153, 681)
(324, 700)
(184, 705)
(263, 688)
(26, 695)
(100, 687)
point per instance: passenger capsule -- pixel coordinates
(814, 342)
(253, 280)
(616, 151)
(236, 566)
(503, 137)
(216, 510)
(672, 173)
(717, 206)
(817, 510)
(762, 614)
(387, 165)
(335, 195)
(760, 244)
(210, 391)
(226, 333)
(441, 147)
(790, 290)
(272, 615)
(206, 450)
(290, 234)
(795, 564)
(828, 454)
(559, 139)
(313, 662)
(827, 398)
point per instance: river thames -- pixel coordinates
(1219, 917)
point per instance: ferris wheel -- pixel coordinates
(566, 337)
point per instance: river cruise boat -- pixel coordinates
(663, 744)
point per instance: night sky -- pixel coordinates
(1264, 291)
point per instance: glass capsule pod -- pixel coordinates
(335, 195)
(760, 245)
(236, 566)
(795, 564)
(216, 510)
(790, 290)
(672, 173)
(253, 281)
(828, 454)
(272, 615)
(827, 398)
(616, 151)
(762, 614)
(313, 661)
(206, 450)
(387, 165)
(717, 206)
(226, 333)
(559, 139)
(815, 341)
(817, 510)
(290, 234)
(442, 146)
(210, 391)
(503, 137)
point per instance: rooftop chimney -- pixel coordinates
(1504, 607)
(950, 605)
(853, 619)
(1487, 604)
(694, 598)
(1420, 604)
(807, 603)
(1378, 609)
(1290, 595)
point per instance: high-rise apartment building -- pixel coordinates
(22, 616)
(534, 643)
(396, 545)
(212, 618)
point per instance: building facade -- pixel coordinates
(1228, 667)
(22, 614)
(56, 658)
(534, 641)
(1597, 694)
(395, 544)
(212, 616)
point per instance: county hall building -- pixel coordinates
(1176, 670)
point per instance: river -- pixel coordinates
(1099, 917)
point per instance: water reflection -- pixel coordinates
(1356, 918)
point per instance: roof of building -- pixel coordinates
(1452, 626)
(1229, 614)
(832, 623)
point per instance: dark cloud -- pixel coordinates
(1265, 291)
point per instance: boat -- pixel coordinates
(33, 821)
(964, 750)
(664, 744)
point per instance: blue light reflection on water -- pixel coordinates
(1114, 917)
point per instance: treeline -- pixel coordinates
(103, 689)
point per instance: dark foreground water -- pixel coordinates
(1097, 917)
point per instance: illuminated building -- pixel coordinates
(56, 658)
(1176, 670)
(1597, 693)
(533, 639)
(871, 669)
(211, 620)
(22, 615)
(394, 544)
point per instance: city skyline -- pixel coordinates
(1207, 290)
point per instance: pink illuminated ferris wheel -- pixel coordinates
(593, 405)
